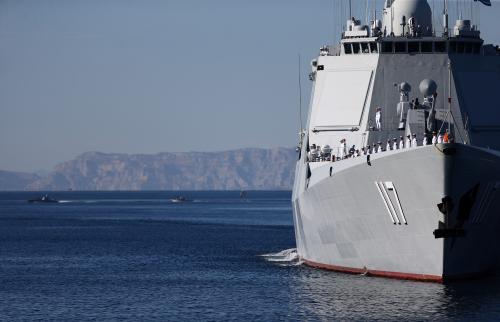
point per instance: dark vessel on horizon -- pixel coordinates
(43, 199)
(179, 199)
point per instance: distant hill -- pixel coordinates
(10, 180)
(228, 170)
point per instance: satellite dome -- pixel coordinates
(427, 87)
(418, 9)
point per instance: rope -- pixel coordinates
(458, 129)
(442, 124)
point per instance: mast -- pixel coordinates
(445, 18)
(300, 100)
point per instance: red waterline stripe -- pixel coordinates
(396, 275)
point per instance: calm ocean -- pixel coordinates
(137, 256)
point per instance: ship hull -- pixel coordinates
(381, 218)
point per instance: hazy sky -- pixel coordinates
(146, 76)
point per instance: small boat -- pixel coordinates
(180, 199)
(44, 199)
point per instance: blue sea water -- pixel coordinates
(137, 256)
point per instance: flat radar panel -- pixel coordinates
(340, 99)
(479, 91)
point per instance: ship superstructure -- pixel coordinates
(399, 166)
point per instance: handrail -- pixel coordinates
(352, 129)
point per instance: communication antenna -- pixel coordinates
(341, 16)
(337, 22)
(478, 17)
(472, 13)
(433, 20)
(300, 97)
(367, 17)
(445, 18)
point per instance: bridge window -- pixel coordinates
(452, 47)
(440, 46)
(373, 47)
(364, 48)
(464, 47)
(355, 47)
(413, 47)
(400, 47)
(426, 47)
(387, 47)
(347, 48)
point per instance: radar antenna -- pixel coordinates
(350, 9)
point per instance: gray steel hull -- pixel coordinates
(353, 221)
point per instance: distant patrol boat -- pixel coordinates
(43, 199)
(180, 199)
(399, 166)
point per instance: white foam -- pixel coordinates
(287, 257)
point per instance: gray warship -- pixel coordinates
(399, 165)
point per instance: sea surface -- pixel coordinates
(138, 256)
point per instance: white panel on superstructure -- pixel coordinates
(340, 98)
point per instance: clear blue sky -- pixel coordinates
(145, 76)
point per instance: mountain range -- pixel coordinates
(242, 169)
